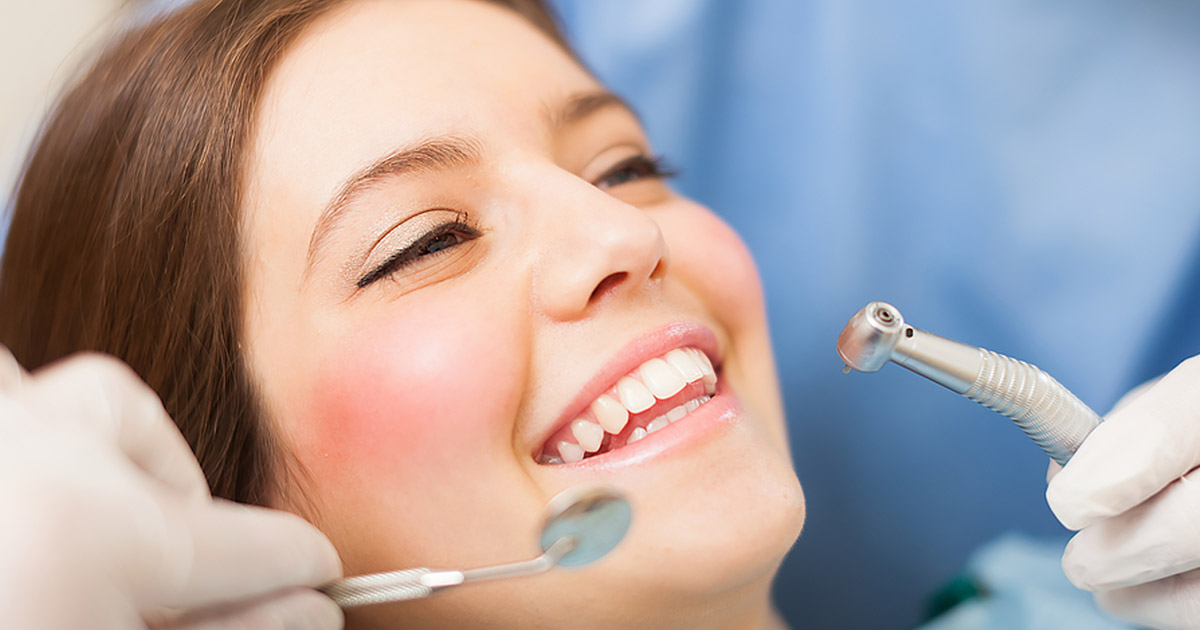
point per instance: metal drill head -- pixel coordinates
(867, 341)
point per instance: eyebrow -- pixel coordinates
(432, 155)
(440, 154)
(580, 106)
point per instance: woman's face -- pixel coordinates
(464, 273)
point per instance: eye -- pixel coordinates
(430, 244)
(634, 169)
(442, 241)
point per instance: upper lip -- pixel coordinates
(641, 349)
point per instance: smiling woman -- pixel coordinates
(408, 270)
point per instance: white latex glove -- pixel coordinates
(1132, 492)
(106, 521)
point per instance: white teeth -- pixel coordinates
(610, 414)
(634, 396)
(661, 378)
(686, 365)
(569, 452)
(589, 434)
(710, 375)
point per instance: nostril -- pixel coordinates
(660, 269)
(606, 284)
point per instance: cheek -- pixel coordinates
(405, 395)
(712, 257)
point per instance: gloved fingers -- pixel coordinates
(1172, 603)
(103, 396)
(1134, 453)
(290, 609)
(1156, 539)
(240, 552)
(1052, 470)
(11, 372)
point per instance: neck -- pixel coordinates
(748, 607)
(765, 618)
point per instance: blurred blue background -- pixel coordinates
(1019, 175)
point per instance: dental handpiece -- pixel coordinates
(1045, 410)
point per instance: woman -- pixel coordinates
(407, 270)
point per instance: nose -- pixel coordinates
(602, 248)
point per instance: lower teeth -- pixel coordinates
(638, 433)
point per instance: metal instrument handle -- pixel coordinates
(406, 584)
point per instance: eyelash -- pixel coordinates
(420, 250)
(639, 167)
(630, 170)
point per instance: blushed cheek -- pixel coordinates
(407, 394)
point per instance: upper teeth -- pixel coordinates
(658, 379)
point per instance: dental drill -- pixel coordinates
(1045, 410)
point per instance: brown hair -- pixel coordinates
(124, 237)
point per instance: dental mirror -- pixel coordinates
(595, 517)
(581, 525)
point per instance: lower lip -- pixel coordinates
(721, 411)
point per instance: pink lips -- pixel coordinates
(634, 354)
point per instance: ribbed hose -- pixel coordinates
(379, 588)
(1045, 410)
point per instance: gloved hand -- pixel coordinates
(107, 521)
(1132, 492)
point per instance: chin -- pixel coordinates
(729, 542)
(712, 543)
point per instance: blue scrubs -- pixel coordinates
(1019, 175)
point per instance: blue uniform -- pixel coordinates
(1023, 176)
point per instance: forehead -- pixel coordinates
(376, 74)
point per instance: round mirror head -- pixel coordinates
(594, 517)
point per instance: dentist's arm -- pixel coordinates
(1132, 492)
(108, 523)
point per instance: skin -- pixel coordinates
(409, 406)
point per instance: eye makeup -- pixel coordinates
(449, 234)
(433, 242)
(635, 168)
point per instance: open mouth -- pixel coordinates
(660, 391)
